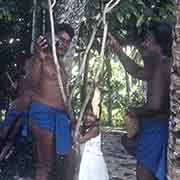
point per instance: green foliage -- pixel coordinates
(128, 19)
(120, 98)
(112, 85)
(131, 17)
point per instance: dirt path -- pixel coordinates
(119, 163)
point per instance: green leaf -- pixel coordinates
(140, 20)
(120, 18)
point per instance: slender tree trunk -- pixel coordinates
(85, 82)
(127, 86)
(34, 26)
(110, 91)
(174, 137)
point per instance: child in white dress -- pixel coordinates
(92, 166)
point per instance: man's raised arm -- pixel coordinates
(130, 66)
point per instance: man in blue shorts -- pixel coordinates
(41, 108)
(49, 122)
(151, 140)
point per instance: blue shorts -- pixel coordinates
(54, 121)
(151, 147)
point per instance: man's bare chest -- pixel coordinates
(49, 69)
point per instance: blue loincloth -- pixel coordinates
(151, 147)
(54, 121)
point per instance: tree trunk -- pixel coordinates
(110, 91)
(174, 136)
(127, 87)
(85, 83)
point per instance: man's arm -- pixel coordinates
(34, 66)
(130, 66)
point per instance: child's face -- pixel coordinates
(89, 119)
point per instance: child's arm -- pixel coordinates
(90, 134)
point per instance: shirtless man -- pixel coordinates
(151, 140)
(49, 121)
(39, 95)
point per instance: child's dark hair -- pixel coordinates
(162, 33)
(64, 27)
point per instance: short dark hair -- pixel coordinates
(162, 33)
(64, 27)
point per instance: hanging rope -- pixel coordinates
(58, 68)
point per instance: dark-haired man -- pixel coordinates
(41, 102)
(49, 121)
(151, 140)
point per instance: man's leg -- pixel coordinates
(45, 152)
(129, 144)
(9, 138)
(143, 174)
(70, 165)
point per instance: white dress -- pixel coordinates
(93, 166)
